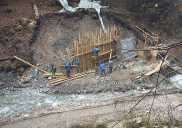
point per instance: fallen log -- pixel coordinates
(36, 12)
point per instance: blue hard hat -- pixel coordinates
(65, 62)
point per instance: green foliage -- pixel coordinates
(103, 125)
(82, 126)
(132, 124)
(146, 122)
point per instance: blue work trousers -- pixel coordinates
(110, 69)
(103, 71)
(68, 73)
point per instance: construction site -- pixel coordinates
(143, 89)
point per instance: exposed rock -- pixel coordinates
(28, 84)
(31, 26)
(24, 22)
(2, 83)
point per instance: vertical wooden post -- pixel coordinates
(74, 47)
(94, 41)
(100, 33)
(90, 45)
(98, 39)
(83, 63)
(90, 56)
(81, 41)
(110, 55)
(86, 45)
(96, 33)
(77, 47)
(92, 38)
(110, 37)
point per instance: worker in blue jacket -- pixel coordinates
(96, 51)
(102, 69)
(114, 45)
(110, 65)
(67, 67)
(78, 64)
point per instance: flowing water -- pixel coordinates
(16, 102)
(25, 100)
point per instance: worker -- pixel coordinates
(102, 69)
(114, 45)
(96, 51)
(67, 67)
(110, 65)
(53, 70)
(78, 64)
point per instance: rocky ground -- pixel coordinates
(103, 112)
(116, 82)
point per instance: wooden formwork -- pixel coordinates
(83, 48)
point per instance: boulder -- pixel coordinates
(24, 22)
(31, 26)
(2, 83)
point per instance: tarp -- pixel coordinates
(84, 4)
(127, 44)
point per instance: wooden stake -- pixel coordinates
(110, 37)
(110, 55)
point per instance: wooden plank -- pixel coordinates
(157, 68)
(118, 65)
(101, 54)
(98, 39)
(66, 78)
(110, 37)
(71, 66)
(56, 74)
(75, 47)
(110, 55)
(29, 64)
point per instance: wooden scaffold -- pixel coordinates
(83, 48)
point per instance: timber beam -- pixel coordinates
(63, 80)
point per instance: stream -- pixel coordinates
(25, 100)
